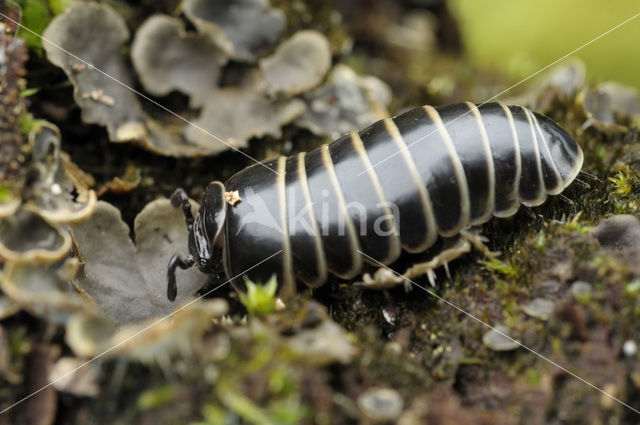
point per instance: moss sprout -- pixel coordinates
(260, 299)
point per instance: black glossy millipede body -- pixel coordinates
(397, 184)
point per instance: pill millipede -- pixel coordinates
(396, 185)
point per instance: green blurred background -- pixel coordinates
(520, 37)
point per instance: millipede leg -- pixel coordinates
(478, 241)
(468, 239)
(176, 261)
(567, 200)
(384, 278)
(461, 247)
(581, 183)
(588, 176)
(532, 214)
(180, 199)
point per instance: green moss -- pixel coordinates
(19, 345)
(583, 299)
(59, 6)
(623, 181)
(36, 15)
(540, 242)
(632, 289)
(501, 267)
(213, 415)
(260, 299)
(155, 398)
(265, 362)
(28, 122)
(413, 342)
(29, 92)
(575, 225)
(6, 194)
(243, 406)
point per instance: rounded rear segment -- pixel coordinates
(565, 153)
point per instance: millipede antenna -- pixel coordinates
(180, 199)
(176, 261)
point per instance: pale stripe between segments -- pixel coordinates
(542, 195)
(558, 187)
(488, 211)
(458, 171)
(394, 241)
(355, 243)
(576, 168)
(321, 258)
(425, 200)
(288, 287)
(518, 159)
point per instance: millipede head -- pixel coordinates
(205, 233)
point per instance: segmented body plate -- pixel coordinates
(395, 185)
